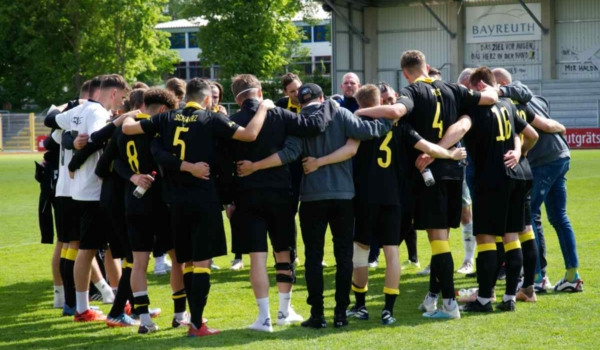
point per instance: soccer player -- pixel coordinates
(217, 97)
(177, 86)
(86, 190)
(499, 191)
(265, 201)
(378, 203)
(432, 107)
(196, 218)
(147, 217)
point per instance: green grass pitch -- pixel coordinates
(28, 321)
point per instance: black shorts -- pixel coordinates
(528, 187)
(379, 221)
(499, 209)
(438, 206)
(93, 225)
(198, 232)
(146, 231)
(67, 219)
(260, 211)
(115, 227)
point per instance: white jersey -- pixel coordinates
(63, 186)
(86, 185)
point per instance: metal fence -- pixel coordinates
(18, 132)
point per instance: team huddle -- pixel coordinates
(154, 168)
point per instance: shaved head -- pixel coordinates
(503, 77)
(350, 84)
(465, 75)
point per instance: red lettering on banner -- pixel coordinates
(583, 138)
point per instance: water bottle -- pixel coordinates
(139, 191)
(428, 177)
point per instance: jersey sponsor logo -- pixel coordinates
(231, 124)
(77, 120)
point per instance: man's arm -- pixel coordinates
(548, 125)
(393, 112)
(454, 134)
(132, 127)
(250, 132)
(489, 95)
(341, 154)
(67, 140)
(303, 125)
(529, 140)
(516, 91)
(511, 158)
(292, 148)
(436, 151)
(167, 160)
(111, 152)
(364, 130)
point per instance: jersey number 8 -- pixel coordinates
(132, 157)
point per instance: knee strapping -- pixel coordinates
(360, 258)
(285, 278)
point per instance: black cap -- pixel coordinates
(309, 92)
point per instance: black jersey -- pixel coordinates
(279, 123)
(433, 106)
(286, 103)
(379, 166)
(191, 135)
(135, 153)
(491, 136)
(527, 114)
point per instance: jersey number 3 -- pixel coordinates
(385, 162)
(179, 142)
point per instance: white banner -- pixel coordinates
(486, 24)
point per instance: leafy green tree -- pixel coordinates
(241, 36)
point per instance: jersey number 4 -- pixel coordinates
(504, 126)
(385, 161)
(179, 142)
(437, 123)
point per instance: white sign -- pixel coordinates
(486, 24)
(586, 61)
(508, 52)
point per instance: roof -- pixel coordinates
(182, 23)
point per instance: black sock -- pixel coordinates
(140, 304)
(390, 300)
(201, 287)
(487, 262)
(61, 268)
(514, 262)
(434, 284)
(188, 278)
(360, 294)
(179, 301)
(123, 292)
(69, 283)
(238, 256)
(443, 265)
(530, 254)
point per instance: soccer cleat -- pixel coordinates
(340, 321)
(69, 311)
(203, 331)
(236, 265)
(443, 313)
(429, 304)
(374, 264)
(315, 322)
(121, 321)
(324, 264)
(467, 267)
(160, 269)
(543, 286)
(410, 264)
(89, 316)
(565, 286)
(358, 312)
(180, 322)
(476, 306)
(154, 313)
(506, 306)
(95, 297)
(291, 317)
(387, 318)
(168, 265)
(146, 329)
(425, 272)
(527, 295)
(471, 275)
(262, 326)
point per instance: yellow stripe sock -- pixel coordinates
(178, 296)
(498, 239)
(63, 253)
(71, 254)
(439, 247)
(188, 269)
(392, 291)
(512, 245)
(486, 247)
(201, 270)
(527, 236)
(360, 290)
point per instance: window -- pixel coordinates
(302, 65)
(180, 71)
(193, 39)
(217, 72)
(323, 65)
(198, 72)
(306, 34)
(177, 40)
(321, 33)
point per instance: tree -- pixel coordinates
(256, 37)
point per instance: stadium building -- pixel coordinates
(551, 45)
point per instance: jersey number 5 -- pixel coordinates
(132, 157)
(504, 126)
(385, 162)
(177, 141)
